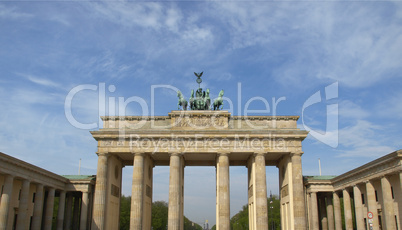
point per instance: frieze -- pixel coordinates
(201, 122)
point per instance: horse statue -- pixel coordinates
(207, 100)
(192, 100)
(182, 102)
(218, 101)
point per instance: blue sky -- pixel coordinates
(268, 49)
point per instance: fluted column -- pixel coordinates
(298, 193)
(60, 212)
(137, 193)
(314, 211)
(100, 194)
(347, 210)
(261, 192)
(69, 210)
(22, 222)
(337, 211)
(372, 204)
(174, 193)
(388, 204)
(358, 207)
(84, 211)
(49, 209)
(324, 219)
(38, 208)
(330, 213)
(6, 198)
(223, 192)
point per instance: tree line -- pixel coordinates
(160, 216)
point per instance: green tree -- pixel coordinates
(125, 206)
(159, 215)
(274, 213)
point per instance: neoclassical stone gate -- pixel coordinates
(198, 138)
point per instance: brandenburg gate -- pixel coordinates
(198, 138)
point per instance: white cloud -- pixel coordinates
(12, 13)
(349, 109)
(39, 81)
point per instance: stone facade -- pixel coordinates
(374, 187)
(29, 194)
(199, 138)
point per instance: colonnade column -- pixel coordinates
(358, 207)
(69, 209)
(314, 211)
(137, 193)
(330, 213)
(60, 212)
(388, 204)
(22, 222)
(38, 207)
(337, 211)
(347, 210)
(298, 192)
(100, 193)
(324, 219)
(49, 209)
(174, 218)
(6, 200)
(76, 211)
(222, 192)
(84, 211)
(372, 203)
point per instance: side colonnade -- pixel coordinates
(371, 197)
(30, 194)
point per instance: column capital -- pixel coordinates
(260, 153)
(298, 153)
(138, 153)
(101, 154)
(175, 154)
(223, 153)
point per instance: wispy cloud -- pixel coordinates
(40, 81)
(12, 13)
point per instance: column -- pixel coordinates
(49, 209)
(298, 193)
(22, 222)
(372, 204)
(347, 210)
(323, 211)
(60, 212)
(337, 211)
(388, 204)
(358, 207)
(76, 212)
(223, 192)
(98, 215)
(330, 213)
(137, 193)
(84, 211)
(38, 208)
(174, 193)
(261, 192)
(314, 211)
(69, 210)
(400, 199)
(6, 200)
